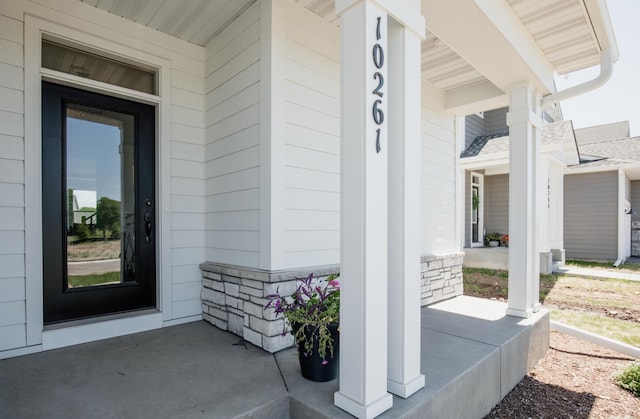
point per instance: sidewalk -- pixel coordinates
(598, 273)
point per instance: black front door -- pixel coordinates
(98, 213)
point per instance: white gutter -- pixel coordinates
(607, 58)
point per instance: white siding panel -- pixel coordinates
(13, 336)
(12, 266)
(303, 75)
(187, 99)
(11, 53)
(235, 123)
(11, 76)
(240, 101)
(303, 199)
(230, 68)
(11, 123)
(437, 178)
(187, 256)
(232, 256)
(241, 140)
(11, 171)
(187, 308)
(234, 240)
(232, 152)
(236, 181)
(12, 289)
(242, 80)
(186, 116)
(12, 312)
(312, 159)
(10, 29)
(312, 220)
(11, 242)
(187, 291)
(187, 238)
(11, 218)
(187, 221)
(186, 134)
(186, 185)
(312, 180)
(187, 203)
(186, 81)
(12, 100)
(11, 147)
(187, 151)
(315, 257)
(308, 138)
(244, 159)
(234, 220)
(11, 195)
(312, 149)
(188, 169)
(234, 201)
(190, 273)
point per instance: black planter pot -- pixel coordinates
(311, 364)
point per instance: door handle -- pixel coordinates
(147, 225)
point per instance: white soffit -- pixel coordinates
(195, 21)
(563, 31)
(561, 28)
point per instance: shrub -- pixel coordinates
(630, 379)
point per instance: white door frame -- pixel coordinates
(479, 212)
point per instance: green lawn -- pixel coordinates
(91, 280)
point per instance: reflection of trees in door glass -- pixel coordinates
(108, 213)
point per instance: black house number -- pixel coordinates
(378, 61)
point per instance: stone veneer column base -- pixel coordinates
(441, 277)
(233, 300)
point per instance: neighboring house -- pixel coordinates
(602, 195)
(590, 175)
(485, 161)
(237, 144)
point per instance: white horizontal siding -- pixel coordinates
(312, 145)
(438, 176)
(187, 190)
(232, 152)
(12, 198)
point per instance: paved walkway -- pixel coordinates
(598, 273)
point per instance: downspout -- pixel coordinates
(607, 59)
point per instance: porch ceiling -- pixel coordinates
(195, 21)
(564, 35)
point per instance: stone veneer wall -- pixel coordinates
(233, 297)
(233, 300)
(441, 277)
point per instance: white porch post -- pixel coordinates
(525, 124)
(404, 211)
(556, 214)
(363, 212)
(364, 209)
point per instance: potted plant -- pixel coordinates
(504, 240)
(313, 313)
(493, 239)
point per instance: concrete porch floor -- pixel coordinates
(472, 355)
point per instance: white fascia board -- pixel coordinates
(484, 162)
(468, 28)
(603, 29)
(475, 98)
(597, 169)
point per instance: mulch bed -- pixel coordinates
(575, 379)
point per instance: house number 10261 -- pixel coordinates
(378, 62)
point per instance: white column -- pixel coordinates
(556, 214)
(404, 376)
(525, 125)
(363, 212)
